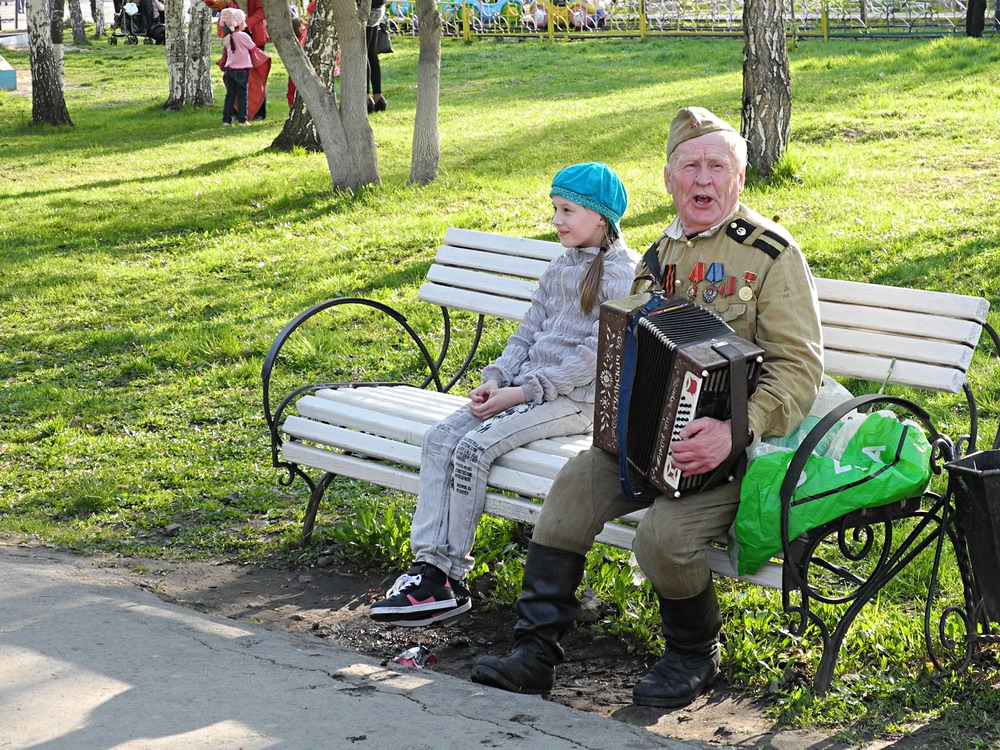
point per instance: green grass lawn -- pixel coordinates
(148, 259)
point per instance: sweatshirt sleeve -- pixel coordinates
(579, 367)
(515, 353)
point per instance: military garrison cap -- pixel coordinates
(692, 122)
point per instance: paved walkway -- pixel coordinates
(88, 661)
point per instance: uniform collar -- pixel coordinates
(676, 232)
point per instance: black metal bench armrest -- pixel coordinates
(274, 417)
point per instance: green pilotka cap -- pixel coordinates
(693, 122)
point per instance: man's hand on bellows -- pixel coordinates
(705, 443)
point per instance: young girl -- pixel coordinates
(542, 386)
(235, 63)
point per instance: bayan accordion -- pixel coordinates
(662, 362)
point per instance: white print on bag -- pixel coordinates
(874, 452)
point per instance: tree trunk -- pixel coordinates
(975, 18)
(76, 21)
(58, 20)
(189, 55)
(48, 105)
(426, 142)
(198, 58)
(342, 126)
(767, 87)
(97, 11)
(321, 50)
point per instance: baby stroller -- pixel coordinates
(137, 18)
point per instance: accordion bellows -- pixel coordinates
(680, 375)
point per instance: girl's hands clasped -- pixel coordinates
(488, 399)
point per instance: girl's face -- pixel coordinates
(577, 225)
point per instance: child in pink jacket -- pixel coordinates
(235, 63)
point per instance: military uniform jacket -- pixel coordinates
(750, 272)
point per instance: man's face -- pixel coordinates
(705, 181)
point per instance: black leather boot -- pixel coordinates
(690, 662)
(547, 608)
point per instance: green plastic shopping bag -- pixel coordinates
(871, 460)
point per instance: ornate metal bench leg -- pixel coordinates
(315, 495)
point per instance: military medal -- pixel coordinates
(714, 275)
(728, 287)
(697, 275)
(746, 292)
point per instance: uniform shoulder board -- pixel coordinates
(651, 259)
(747, 233)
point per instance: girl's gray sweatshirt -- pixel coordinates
(554, 350)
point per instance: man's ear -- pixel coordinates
(666, 178)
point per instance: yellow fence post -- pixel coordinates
(642, 20)
(825, 21)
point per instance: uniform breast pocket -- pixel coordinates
(740, 317)
(731, 311)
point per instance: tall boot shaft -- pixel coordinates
(690, 662)
(547, 609)
(692, 625)
(548, 603)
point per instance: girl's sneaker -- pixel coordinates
(421, 596)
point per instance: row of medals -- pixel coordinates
(719, 285)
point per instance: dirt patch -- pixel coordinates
(332, 603)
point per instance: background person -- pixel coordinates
(376, 102)
(774, 304)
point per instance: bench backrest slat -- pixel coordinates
(498, 243)
(477, 302)
(479, 260)
(871, 332)
(505, 286)
(943, 304)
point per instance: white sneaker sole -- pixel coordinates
(430, 619)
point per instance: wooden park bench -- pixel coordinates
(373, 431)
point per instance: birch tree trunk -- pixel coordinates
(321, 50)
(767, 87)
(198, 58)
(189, 66)
(97, 11)
(76, 22)
(48, 105)
(342, 125)
(426, 141)
(57, 21)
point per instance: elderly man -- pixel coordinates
(750, 271)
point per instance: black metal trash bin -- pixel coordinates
(977, 498)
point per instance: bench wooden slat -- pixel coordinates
(482, 282)
(876, 369)
(519, 246)
(351, 466)
(476, 302)
(353, 441)
(899, 298)
(900, 322)
(401, 440)
(383, 401)
(866, 342)
(476, 260)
